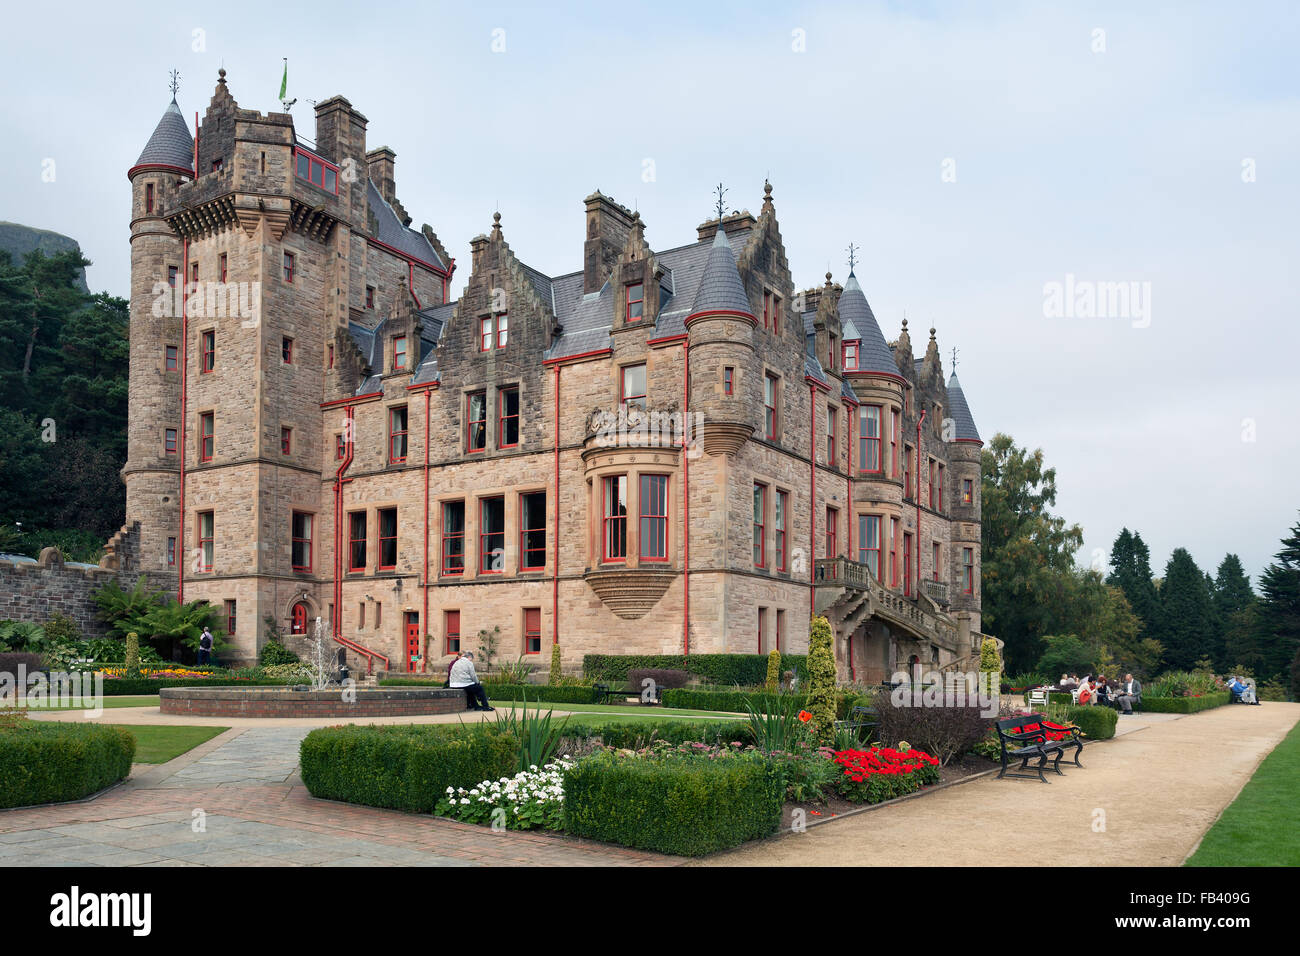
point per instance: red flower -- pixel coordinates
(805, 716)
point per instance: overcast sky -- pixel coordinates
(975, 153)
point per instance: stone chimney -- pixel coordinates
(608, 227)
(380, 164)
(341, 139)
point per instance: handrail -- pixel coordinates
(363, 651)
(844, 573)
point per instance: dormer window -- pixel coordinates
(850, 356)
(503, 329)
(632, 387)
(635, 301)
(399, 352)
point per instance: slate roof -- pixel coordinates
(720, 288)
(684, 269)
(434, 320)
(874, 354)
(963, 422)
(171, 143)
(392, 232)
(847, 393)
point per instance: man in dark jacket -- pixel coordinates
(1130, 694)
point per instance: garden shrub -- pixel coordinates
(680, 805)
(557, 671)
(734, 701)
(662, 676)
(946, 732)
(990, 662)
(273, 653)
(403, 766)
(821, 679)
(773, 671)
(132, 657)
(1097, 723)
(638, 734)
(9, 661)
(47, 762)
(1184, 705)
(747, 670)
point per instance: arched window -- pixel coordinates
(299, 625)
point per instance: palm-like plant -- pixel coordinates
(538, 735)
(777, 727)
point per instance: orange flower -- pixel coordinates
(805, 716)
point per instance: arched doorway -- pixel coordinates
(298, 618)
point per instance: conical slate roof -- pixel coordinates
(720, 288)
(171, 143)
(962, 420)
(858, 322)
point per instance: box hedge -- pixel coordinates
(748, 670)
(1097, 723)
(682, 806)
(636, 734)
(733, 701)
(533, 693)
(403, 766)
(1184, 705)
(47, 762)
(132, 686)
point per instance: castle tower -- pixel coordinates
(964, 451)
(154, 425)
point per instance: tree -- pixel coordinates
(1130, 563)
(1186, 625)
(1028, 553)
(1101, 615)
(821, 679)
(1234, 609)
(1278, 629)
(1066, 654)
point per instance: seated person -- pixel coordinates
(464, 676)
(1067, 682)
(1102, 691)
(1085, 692)
(1241, 691)
(1130, 693)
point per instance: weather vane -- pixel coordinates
(722, 208)
(175, 82)
(954, 358)
(853, 255)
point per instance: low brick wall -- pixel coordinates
(274, 702)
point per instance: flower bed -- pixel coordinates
(530, 800)
(883, 773)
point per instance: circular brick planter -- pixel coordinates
(284, 702)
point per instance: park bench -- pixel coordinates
(1025, 738)
(606, 693)
(860, 719)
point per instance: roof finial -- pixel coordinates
(853, 257)
(932, 333)
(722, 206)
(496, 225)
(175, 83)
(828, 278)
(954, 360)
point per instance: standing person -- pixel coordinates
(463, 675)
(1130, 694)
(205, 646)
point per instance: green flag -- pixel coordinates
(284, 81)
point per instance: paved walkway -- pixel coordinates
(237, 800)
(1143, 799)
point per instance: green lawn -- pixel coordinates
(79, 703)
(629, 712)
(155, 744)
(1262, 826)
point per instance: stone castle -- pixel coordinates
(666, 451)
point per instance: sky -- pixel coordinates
(998, 164)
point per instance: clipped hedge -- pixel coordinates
(52, 762)
(1184, 705)
(733, 701)
(636, 734)
(1097, 723)
(403, 766)
(744, 669)
(534, 693)
(681, 806)
(131, 686)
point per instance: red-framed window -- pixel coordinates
(503, 330)
(728, 380)
(286, 350)
(776, 314)
(329, 356)
(171, 552)
(286, 440)
(476, 421)
(635, 301)
(935, 554)
(532, 531)
(832, 532)
(207, 437)
(632, 387)
(387, 539)
(453, 537)
(939, 498)
(397, 435)
(399, 352)
(171, 275)
(318, 172)
(929, 484)
(532, 630)
(613, 531)
(485, 333)
(492, 535)
(451, 628)
(288, 267)
(967, 491)
(171, 358)
(850, 356)
(231, 617)
(771, 386)
(907, 564)
(206, 526)
(781, 518)
(832, 430)
(356, 540)
(340, 447)
(508, 417)
(907, 471)
(893, 552)
(370, 297)
(968, 570)
(869, 441)
(301, 540)
(894, 432)
(869, 543)
(148, 197)
(169, 441)
(222, 266)
(194, 271)
(653, 528)
(208, 351)
(217, 164)
(760, 525)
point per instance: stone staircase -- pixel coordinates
(847, 593)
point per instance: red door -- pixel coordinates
(412, 641)
(299, 625)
